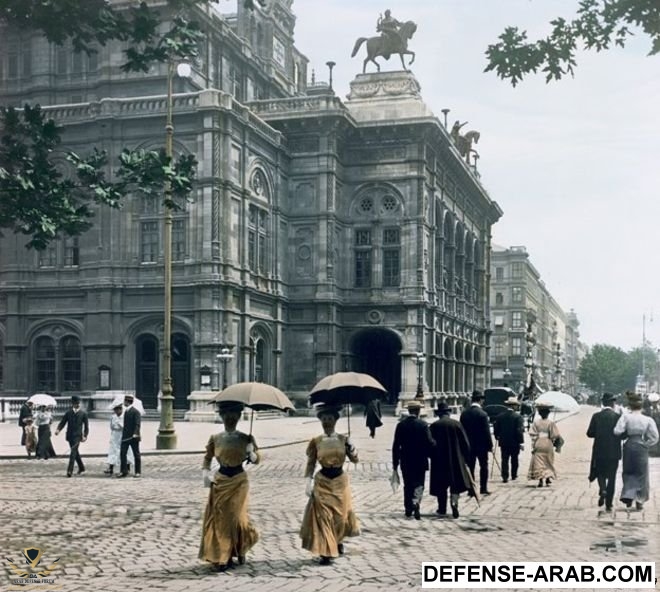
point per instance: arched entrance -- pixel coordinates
(146, 370)
(180, 370)
(377, 352)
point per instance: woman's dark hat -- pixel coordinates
(327, 409)
(230, 407)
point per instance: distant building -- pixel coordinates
(323, 235)
(520, 299)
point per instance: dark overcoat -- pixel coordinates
(606, 450)
(373, 414)
(509, 430)
(412, 446)
(448, 457)
(477, 428)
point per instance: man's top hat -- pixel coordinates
(75, 399)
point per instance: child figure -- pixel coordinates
(30, 435)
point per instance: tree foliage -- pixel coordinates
(609, 368)
(39, 199)
(598, 25)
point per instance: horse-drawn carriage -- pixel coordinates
(494, 403)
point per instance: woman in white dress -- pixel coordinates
(640, 433)
(116, 429)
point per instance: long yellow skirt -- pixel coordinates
(227, 531)
(542, 465)
(329, 516)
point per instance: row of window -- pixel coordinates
(514, 347)
(516, 296)
(57, 369)
(516, 319)
(389, 254)
(516, 271)
(18, 61)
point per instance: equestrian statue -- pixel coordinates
(393, 38)
(464, 142)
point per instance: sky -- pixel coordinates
(574, 164)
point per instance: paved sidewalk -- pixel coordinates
(125, 535)
(191, 436)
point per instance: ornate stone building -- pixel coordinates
(520, 300)
(323, 235)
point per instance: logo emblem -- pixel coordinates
(32, 559)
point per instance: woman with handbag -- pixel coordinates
(227, 531)
(545, 438)
(329, 515)
(640, 433)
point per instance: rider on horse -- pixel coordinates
(388, 26)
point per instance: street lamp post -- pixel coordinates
(166, 438)
(419, 360)
(225, 356)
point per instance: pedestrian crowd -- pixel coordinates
(449, 448)
(124, 448)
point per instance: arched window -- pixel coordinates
(44, 358)
(70, 363)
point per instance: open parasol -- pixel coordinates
(43, 399)
(346, 388)
(119, 400)
(258, 396)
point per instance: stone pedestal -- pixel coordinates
(101, 401)
(386, 96)
(200, 410)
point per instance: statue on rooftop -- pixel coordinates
(393, 38)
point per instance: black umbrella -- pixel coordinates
(346, 388)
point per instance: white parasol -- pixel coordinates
(42, 399)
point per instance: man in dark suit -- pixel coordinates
(509, 432)
(411, 449)
(606, 450)
(26, 411)
(449, 468)
(130, 437)
(477, 427)
(77, 430)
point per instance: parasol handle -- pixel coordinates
(251, 420)
(348, 417)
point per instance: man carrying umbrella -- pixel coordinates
(449, 470)
(411, 449)
(77, 431)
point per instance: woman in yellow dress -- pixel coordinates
(544, 434)
(329, 516)
(227, 531)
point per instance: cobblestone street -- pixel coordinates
(124, 535)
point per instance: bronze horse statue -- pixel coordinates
(385, 46)
(464, 144)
